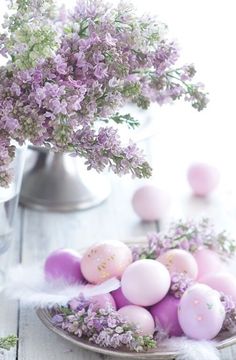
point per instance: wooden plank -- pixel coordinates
(44, 232)
(9, 309)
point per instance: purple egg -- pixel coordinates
(165, 314)
(120, 298)
(63, 264)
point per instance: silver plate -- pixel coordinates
(162, 353)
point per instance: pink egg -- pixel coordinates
(104, 261)
(120, 299)
(150, 203)
(203, 178)
(208, 262)
(145, 282)
(201, 313)
(165, 314)
(63, 264)
(99, 302)
(140, 317)
(179, 261)
(222, 282)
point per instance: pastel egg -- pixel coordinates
(150, 203)
(64, 264)
(203, 178)
(120, 298)
(180, 261)
(145, 282)
(201, 313)
(165, 314)
(140, 317)
(104, 261)
(222, 281)
(102, 301)
(208, 261)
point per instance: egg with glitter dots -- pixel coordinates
(105, 260)
(180, 261)
(203, 178)
(145, 282)
(140, 317)
(165, 314)
(201, 313)
(222, 281)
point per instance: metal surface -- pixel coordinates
(59, 182)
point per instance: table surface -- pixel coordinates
(38, 233)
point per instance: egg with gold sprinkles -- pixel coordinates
(103, 261)
(180, 261)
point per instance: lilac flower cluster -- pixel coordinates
(103, 327)
(230, 313)
(65, 76)
(179, 284)
(186, 235)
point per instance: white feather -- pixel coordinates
(28, 284)
(193, 349)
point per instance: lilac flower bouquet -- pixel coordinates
(67, 76)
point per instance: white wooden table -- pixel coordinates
(39, 233)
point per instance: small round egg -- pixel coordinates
(203, 178)
(208, 261)
(120, 298)
(222, 281)
(140, 317)
(105, 260)
(145, 282)
(180, 261)
(201, 313)
(64, 264)
(150, 203)
(165, 314)
(102, 301)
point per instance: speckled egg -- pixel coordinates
(180, 261)
(104, 261)
(140, 317)
(145, 282)
(201, 313)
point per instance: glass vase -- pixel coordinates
(8, 205)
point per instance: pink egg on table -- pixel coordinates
(145, 282)
(120, 298)
(165, 314)
(150, 203)
(105, 260)
(64, 264)
(180, 261)
(208, 261)
(201, 313)
(222, 281)
(203, 178)
(140, 317)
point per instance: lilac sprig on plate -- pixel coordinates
(103, 327)
(187, 235)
